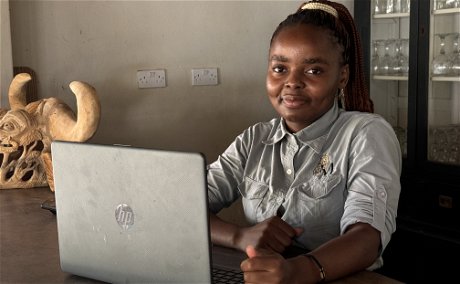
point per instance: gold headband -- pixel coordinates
(320, 6)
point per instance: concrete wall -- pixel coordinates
(105, 42)
(6, 60)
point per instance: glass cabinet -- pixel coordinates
(389, 64)
(444, 84)
(411, 55)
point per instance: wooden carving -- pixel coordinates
(27, 130)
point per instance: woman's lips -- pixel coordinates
(292, 101)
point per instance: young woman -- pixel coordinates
(325, 174)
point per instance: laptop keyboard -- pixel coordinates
(226, 276)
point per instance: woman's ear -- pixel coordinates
(344, 76)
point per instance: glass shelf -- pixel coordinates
(446, 78)
(446, 11)
(389, 16)
(390, 77)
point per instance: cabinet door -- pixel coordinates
(444, 87)
(389, 63)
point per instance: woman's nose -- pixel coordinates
(294, 81)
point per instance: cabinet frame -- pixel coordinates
(424, 183)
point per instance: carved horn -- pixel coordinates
(64, 125)
(17, 91)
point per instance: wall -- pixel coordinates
(6, 60)
(105, 42)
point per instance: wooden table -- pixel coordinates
(29, 250)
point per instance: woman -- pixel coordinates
(325, 175)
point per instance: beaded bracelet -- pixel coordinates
(320, 267)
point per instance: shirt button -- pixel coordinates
(289, 171)
(382, 194)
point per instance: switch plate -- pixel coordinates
(151, 78)
(205, 77)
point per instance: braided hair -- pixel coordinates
(343, 32)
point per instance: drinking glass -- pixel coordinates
(440, 4)
(441, 61)
(455, 55)
(393, 6)
(376, 64)
(452, 3)
(380, 6)
(405, 53)
(387, 63)
(405, 6)
(401, 60)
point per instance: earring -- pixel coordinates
(342, 99)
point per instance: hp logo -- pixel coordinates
(124, 216)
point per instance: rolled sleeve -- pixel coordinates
(374, 179)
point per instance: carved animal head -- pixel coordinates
(27, 130)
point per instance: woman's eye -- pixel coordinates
(278, 69)
(313, 71)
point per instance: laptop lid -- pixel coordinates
(127, 214)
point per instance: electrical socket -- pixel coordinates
(151, 78)
(205, 77)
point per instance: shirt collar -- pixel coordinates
(313, 135)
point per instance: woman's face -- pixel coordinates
(304, 74)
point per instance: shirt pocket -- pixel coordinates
(319, 208)
(319, 187)
(253, 193)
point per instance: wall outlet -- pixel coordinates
(151, 78)
(205, 77)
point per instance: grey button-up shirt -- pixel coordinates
(342, 169)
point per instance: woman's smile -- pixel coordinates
(293, 101)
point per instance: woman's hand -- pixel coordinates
(273, 234)
(266, 266)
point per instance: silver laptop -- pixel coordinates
(131, 215)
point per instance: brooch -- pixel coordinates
(324, 166)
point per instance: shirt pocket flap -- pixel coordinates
(321, 187)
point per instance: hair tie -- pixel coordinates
(320, 6)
